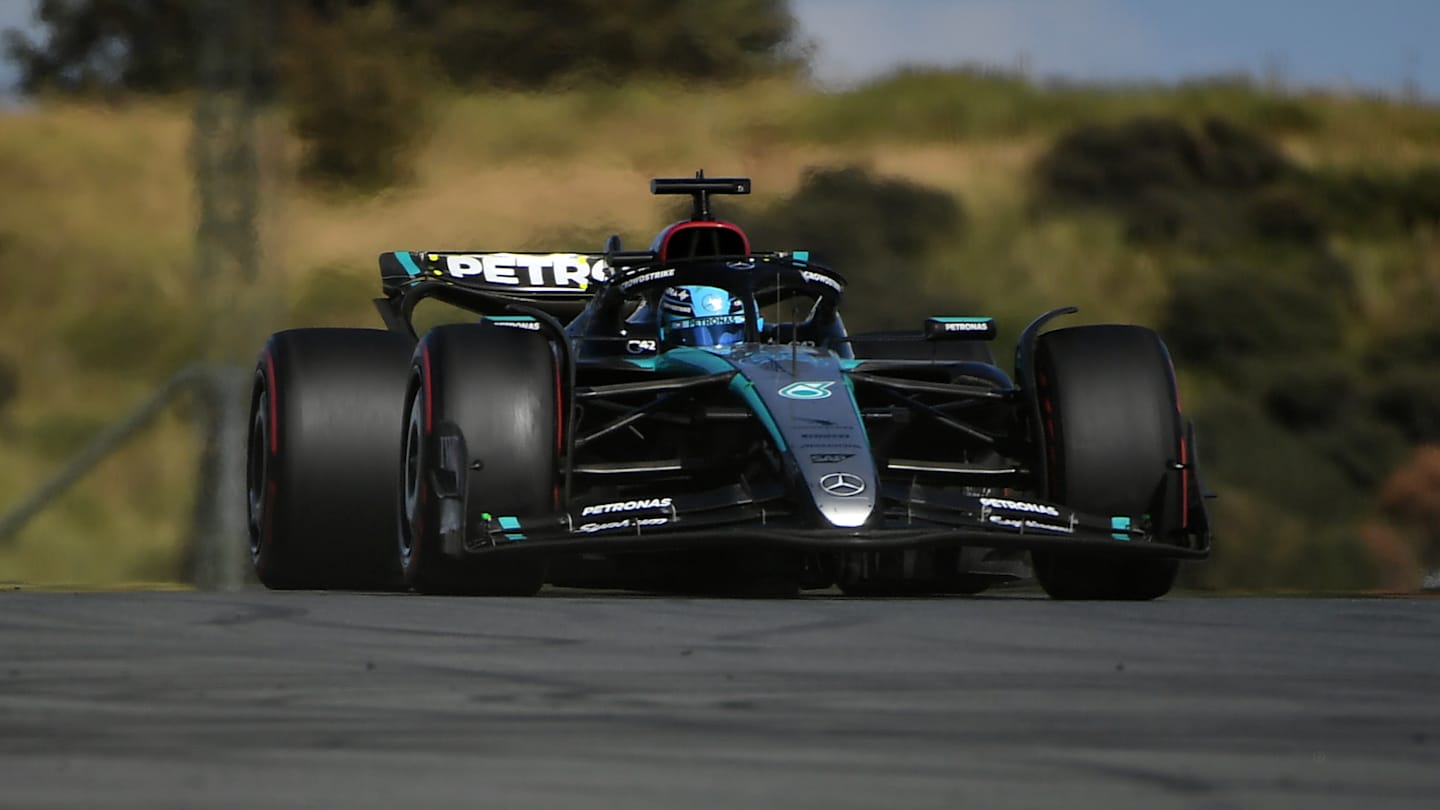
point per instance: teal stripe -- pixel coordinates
(508, 522)
(742, 385)
(854, 403)
(1120, 528)
(408, 262)
(711, 364)
(700, 360)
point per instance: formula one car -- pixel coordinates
(695, 417)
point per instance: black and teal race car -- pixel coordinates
(696, 417)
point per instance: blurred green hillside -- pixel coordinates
(1287, 246)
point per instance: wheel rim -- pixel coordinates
(411, 495)
(257, 472)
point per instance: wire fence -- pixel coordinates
(218, 556)
(236, 297)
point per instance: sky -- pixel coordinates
(1373, 45)
(1369, 45)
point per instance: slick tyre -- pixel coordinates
(497, 389)
(323, 458)
(1112, 426)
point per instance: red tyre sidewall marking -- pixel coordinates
(429, 400)
(272, 492)
(274, 404)
(1052, 456)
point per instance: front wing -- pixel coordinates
(913, 517)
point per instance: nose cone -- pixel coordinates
(802, 395)
(845, 498)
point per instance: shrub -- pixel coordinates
(331, 295)
(1112, 165)
(1378, 203)
(519, 43)
(151, 46)
(1234, 318)
(1405, 391)
(139, 332)
(357, 99)
(92, 44)
(9, 388)
(1208, 187)
(1235, 158)
(1285, 214)
(1311, 396)
(880, 229)
(1410, 503)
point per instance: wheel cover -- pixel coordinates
(412, 501)
(257, 472)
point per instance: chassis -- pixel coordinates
(557, 438)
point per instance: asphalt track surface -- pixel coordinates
(279, 700)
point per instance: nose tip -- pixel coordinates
(846, 514)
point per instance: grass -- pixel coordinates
(99, 299)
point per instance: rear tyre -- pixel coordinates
(1112, 423)
(323, 458)
(498, 388)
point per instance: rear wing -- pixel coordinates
(560, 285)
(494, 283)
(536, 277)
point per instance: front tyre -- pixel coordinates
(1112, 426)
(492, 391)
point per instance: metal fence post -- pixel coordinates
(219, 539)
(235, 42)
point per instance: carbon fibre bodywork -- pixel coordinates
(785, 441)
(830, 451)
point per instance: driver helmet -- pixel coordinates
(696, 315)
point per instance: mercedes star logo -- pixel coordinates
(843, 485)
(807, 390)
